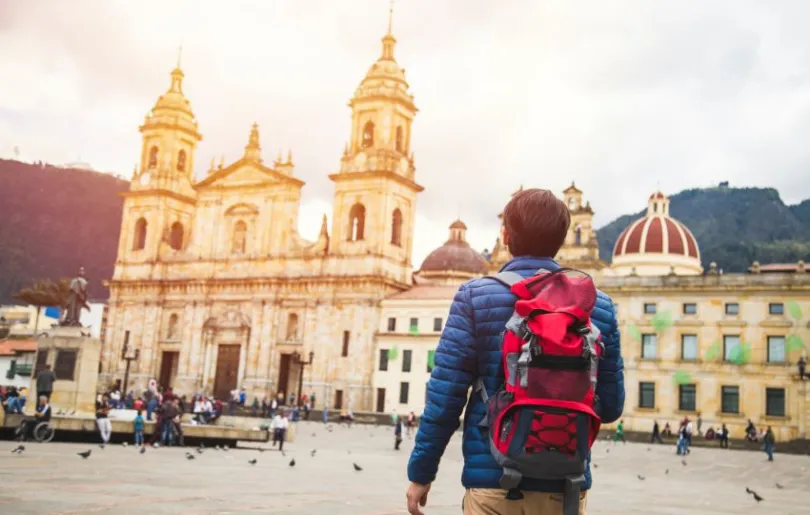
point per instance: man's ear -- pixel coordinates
(505, 237)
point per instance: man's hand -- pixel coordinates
(417, 496)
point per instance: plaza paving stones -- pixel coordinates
(50, 478)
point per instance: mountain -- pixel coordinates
(54, 220)
(733, 226)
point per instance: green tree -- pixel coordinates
(43, 293)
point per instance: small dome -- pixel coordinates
(455, 260)
(657, 244)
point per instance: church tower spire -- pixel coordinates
(253, 151)
(375, 189)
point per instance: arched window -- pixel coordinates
(139, 241)
(357, 222)
(176, 236)
(396, 228)
(153, 157)
(292, 327)
(239, 238)
(368, 135)
(399, 139)
(578, 235)
(181, 160)
(171, 330)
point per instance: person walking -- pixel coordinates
(619, 432)
(397, 433)
(656, 434)
(699, 424)
(770, 442)
(279, 426)
(802, 364)
(45, 380)
(724, 437)
(103, 408)
(536, 224)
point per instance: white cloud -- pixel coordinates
(620, 96)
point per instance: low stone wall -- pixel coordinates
(801, 446)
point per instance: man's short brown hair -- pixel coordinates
(536, 223)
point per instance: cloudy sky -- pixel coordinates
(620, 96)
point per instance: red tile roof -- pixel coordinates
(11, 347)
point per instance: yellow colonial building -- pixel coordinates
(723, 345)
(215, 288)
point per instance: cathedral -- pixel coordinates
(214, 287)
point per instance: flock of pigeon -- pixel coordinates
(750, 492)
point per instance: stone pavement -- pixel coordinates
(50, 478)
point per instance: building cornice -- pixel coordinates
(376, 174)
(159, 192)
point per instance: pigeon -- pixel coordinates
(283, 453)
(72, 412)
(85, 454)
(124, 444)
(226, 448)
(357, 467)
(779, 486)
(607, 450)
(253, 461)
(641, 478)
(18, 450)
(596, 465)
(313, 435)
(101, 445)
(313, 452)
(666, 471)
(199, 450)
(649, 449)
(683, 462)
(189, 456)
(756, 495)
(292, 463)
(143, 450)
(261, 449)
(217, 448)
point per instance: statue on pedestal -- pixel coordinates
(76, 301)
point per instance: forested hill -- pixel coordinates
(54, 220)
(733, 226)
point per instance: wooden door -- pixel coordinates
(168, 368)
(338, 399)
(284, 375)
(380, 400)
(227, 375)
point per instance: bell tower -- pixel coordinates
(375, 189)
(159, 207)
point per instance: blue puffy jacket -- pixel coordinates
(470, 347)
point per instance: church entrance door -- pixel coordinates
(284, 375)
(168, 368)
(227, 373)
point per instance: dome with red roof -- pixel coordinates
(656, 244)
(455, 261)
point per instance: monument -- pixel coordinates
(72, 353)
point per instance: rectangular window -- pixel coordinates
(650, 308)
(646, 395)
(776, 349)
(775, 402)
(392, 324)
(730, 399)
(406, 360)
(686, 397)
(731, 344)
(383, 360)
(431, 362)
(689, 308)
(345, 351)
(413, 327)
(649, 346)
(403, 393)
(776, 308)
(42, 360)
(437, 325)
(65, 364)
(732, 308)
(689, 347)
(338, 399)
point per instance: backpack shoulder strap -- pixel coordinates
(508, 279)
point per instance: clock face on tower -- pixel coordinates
(145, 178)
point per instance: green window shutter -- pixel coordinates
(393, 353)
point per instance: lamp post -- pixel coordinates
(129, 357)
(301, 365)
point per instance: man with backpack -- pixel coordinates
(540, 348)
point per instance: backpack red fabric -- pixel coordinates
(543, 421)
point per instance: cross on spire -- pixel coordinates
(390, 15)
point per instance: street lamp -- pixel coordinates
(302, 364)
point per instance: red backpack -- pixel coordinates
(542, 422)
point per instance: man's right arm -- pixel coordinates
(453, 373)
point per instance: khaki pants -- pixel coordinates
(491, 501)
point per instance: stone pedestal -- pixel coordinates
(75, 387)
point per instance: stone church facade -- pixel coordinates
(215, 288)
